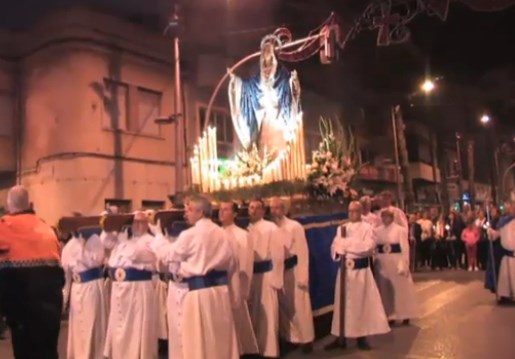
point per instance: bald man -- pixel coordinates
(364, 312)
(31, 279)
(132, 328)
(295, 315)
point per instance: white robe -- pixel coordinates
(132, 329)
(295, 314)
(393, 276)
(263, 301)
(244, 248)
(88, 302)
(364, 312)
(506, 278)
(205, 316)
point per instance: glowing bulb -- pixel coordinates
(485, 119)
(428, 86)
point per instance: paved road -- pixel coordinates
(459, 321)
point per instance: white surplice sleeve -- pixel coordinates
(167, 252)
(301, 249)
(363, 244)
(337, 245)
(277, 255)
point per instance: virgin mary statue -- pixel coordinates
(264, 107)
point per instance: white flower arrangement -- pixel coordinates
(333, 165)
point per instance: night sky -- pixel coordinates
(464, 49)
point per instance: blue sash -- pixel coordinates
(211, 279)
(262, 267)
(290, 263)
(357, 263)
(88, 275)
(129, 274)
(389, 248)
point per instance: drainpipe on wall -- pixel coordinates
(18, 123)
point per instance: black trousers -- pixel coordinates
(439, 254)
(453, 253)
(33, 301)
(482, 253)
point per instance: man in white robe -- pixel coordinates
(295, 315)
(83, 263)
(368, 216)
(201, 262)
(364, 312)
(132, 329)
(244, 248)
(391, 267)
(267, 280)
(506, 232)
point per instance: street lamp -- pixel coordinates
(427, 86)
(485, 119)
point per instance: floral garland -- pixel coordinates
(334, 163)
(248, 163)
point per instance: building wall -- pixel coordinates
(89, 106)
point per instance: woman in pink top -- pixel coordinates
(470, 235)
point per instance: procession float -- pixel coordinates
(270, 159)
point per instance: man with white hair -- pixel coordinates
(199, 304)
(506, 232)
(386, 200)
(362, 309)
(368, 216)
(31, 279)
(132, 329)
(295, 315)
(392, 270)
(83, 262)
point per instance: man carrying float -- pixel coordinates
(199, 304)
(362, 309)
(83, 263)
(132, 329)
(392, 270)
(295, 315)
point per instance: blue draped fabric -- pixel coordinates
(320, 232)
(492, 268)
(251, 95)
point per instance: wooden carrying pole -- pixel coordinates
(343, 289)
